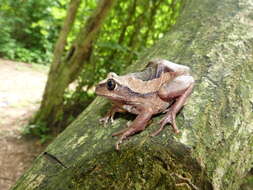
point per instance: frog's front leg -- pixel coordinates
(139, 124)
(178, 89)
(110, 114)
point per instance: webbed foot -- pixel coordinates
(168, 119)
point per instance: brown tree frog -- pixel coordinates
(162, 87)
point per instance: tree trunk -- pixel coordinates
(65, 70)
(214, 149)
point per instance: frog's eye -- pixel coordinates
(111, 84)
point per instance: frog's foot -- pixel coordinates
(168, 119)
(137, 125)
(109, 117)
(105, 120)
(130, 131)
(121, 139)
(118, 143)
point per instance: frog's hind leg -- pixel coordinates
(123, 130)
(127, 128)
(137, 125)
(179, 89)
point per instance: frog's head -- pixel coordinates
(113, 87)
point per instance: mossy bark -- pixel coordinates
(214, 149)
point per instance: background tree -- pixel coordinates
(27, 31)
(214, 149)
(65, 69)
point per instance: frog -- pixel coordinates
(161, 87)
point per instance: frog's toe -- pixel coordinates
(104, 120)
(157, 131)
(163, 122)
(168, 119)
(119, 142)
(117, 145)
(111, 119)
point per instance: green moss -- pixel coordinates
(135, 168)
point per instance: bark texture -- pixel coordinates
(214, 149)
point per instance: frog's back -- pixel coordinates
(149, 80)
(146, 86)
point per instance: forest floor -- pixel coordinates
(21, 88)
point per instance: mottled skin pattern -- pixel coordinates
(162, 87)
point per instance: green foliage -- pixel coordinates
(40, 130)
(29, 29)
(125, 35)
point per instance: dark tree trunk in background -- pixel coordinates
(65, 69)
(214, 148)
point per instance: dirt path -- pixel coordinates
(21, 88)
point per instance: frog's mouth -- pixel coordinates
(101, 90)
(113, 97)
